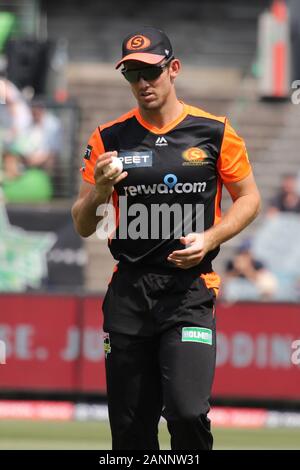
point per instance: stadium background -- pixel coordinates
(52, 282)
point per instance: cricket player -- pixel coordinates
(159, 309)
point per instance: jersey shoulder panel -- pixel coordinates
(122, 133)
(233, 163)
(103, 139)
(119, 120)
(198, 112)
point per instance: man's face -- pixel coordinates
(151, 95)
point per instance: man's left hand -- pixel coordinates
(197, 245)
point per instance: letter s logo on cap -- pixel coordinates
(138, 42)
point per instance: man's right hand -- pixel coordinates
(104, 184)
(84, 210)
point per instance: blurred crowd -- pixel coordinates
(267, 267)
(30, 143)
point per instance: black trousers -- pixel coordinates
(168, 369)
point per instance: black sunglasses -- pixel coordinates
(147, 73)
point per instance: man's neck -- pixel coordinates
(160, 118)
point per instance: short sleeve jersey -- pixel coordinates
(174, 182)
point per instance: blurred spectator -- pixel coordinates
(41, 144)
(21, 184)
(15, 114)
(28, 162)
(288, 198)
(247, 278)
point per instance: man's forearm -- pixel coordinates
(242, 212)
(84, 212)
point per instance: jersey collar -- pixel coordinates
(167, 127)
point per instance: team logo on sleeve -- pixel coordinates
(88, 152)
(194, 156)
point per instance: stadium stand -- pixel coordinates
(202, 32)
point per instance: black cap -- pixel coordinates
(149, 45)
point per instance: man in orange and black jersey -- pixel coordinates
(159, 309)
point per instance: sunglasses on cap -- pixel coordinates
(148, 73)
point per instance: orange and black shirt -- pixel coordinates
(182, 165)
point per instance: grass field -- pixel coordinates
(95, 435)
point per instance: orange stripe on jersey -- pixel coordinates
(167, 127)
(198, 112)
(212, 281)
(193, 111)
(233, 163)
(116, 267)
(218, 197)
